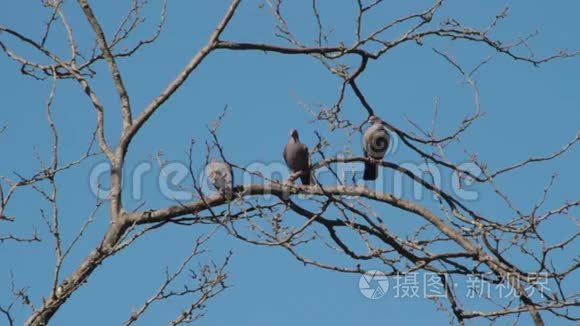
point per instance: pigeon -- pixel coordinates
(297, 157)
(375, 144)
(221, 177)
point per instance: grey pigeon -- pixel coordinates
(221, 177)
(297, 157)
(375, 144)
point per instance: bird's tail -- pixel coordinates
(371, 171)
(306, 178)
(228, 193)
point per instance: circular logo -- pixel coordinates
(373, 284)
(381, 143)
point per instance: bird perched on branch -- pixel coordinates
(297, 158)
(221, 176)
(375, 144)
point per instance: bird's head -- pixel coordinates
(373, 119)
(294, 133)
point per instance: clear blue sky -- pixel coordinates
(529, 111)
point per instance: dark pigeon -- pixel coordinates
(375, 144)
(297, 157)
